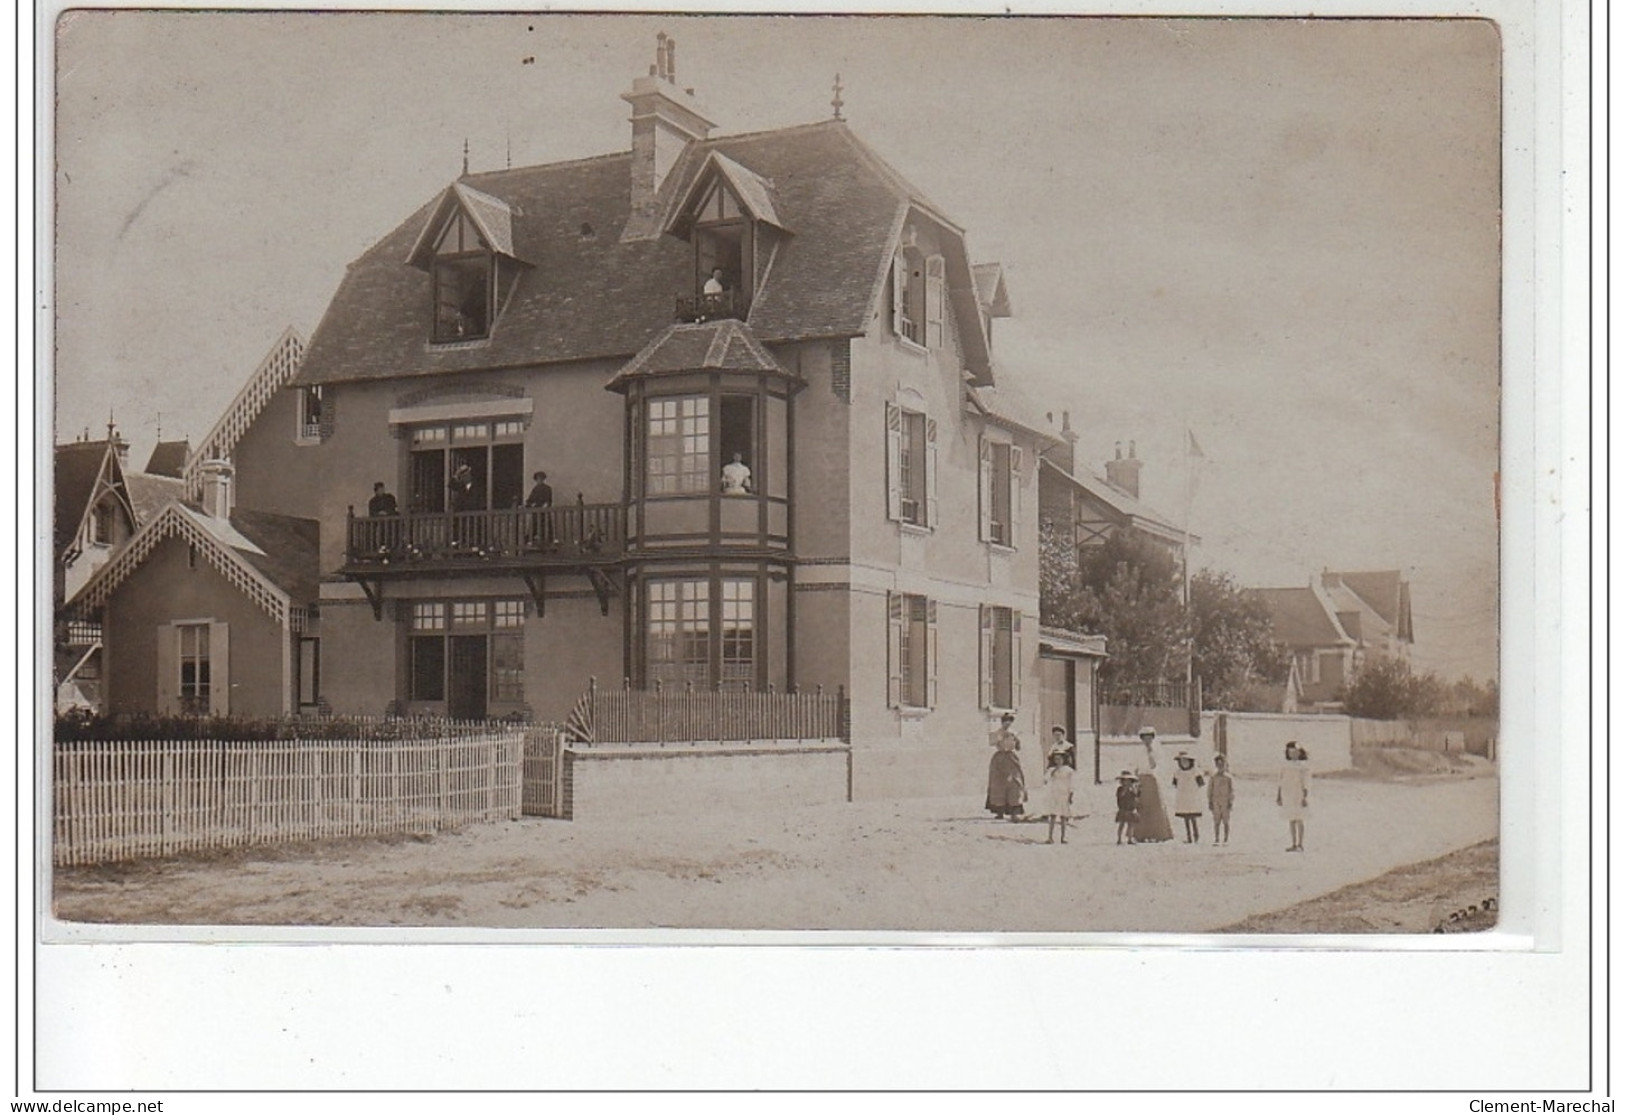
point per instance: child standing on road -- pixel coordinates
(1058, 787)
(1221, 794)
(1188, 783)
(1128, 806)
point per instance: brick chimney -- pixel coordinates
(1124, 472)
(217, 488)
(665, 120)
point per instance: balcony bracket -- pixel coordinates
(604, 585)
(536, 582)
(374, 588)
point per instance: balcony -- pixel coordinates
(712, 307)
(573, 536)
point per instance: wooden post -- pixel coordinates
(355, 787)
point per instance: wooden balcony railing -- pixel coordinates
(710, 307)
(555, 535)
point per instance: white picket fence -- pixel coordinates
(118, 800)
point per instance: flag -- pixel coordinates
(578, 725)
(1192, 449)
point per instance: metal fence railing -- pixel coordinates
(690, 715)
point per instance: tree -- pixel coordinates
(1387, 689)
(1128, 589)
(1058, 586)
(1233, 648)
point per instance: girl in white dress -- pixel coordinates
(1292, 795)
(1057, 794)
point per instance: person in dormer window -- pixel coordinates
(713, 285)
(736, 477)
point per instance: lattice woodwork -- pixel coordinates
(174, 522)
(272, 375)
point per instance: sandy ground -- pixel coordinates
(933, 864)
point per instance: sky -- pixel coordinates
(1279, 235)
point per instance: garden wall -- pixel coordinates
(697, 780)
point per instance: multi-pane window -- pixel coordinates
(678, 632)
(918, 282)
(911, 651)
(194, 664)
(103, 522)
(738, 633)
(701, 632)
(911, 453)
(679, 445)
(467, 466)
(495, 625)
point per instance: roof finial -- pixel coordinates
(510, 148)
(109, 423)
(465, 156)
(836, 103)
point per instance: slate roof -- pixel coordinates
(168, 458)
(289, 551)
(491, 215)
(1299, 618)
(1386, 593)
(78, 464)
(724, 345)
(149, 493)
(590, 293)
(1140, 515)
(1012, 408)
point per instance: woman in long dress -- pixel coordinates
(1292, 795)
(1006, 785)
(1152, 825)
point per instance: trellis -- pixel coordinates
(271, 376)
(174, 521)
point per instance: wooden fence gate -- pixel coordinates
(543, 780)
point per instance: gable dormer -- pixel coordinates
(466, 246)
(730, 217)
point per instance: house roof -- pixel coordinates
(595, 294)
(169, 458)
(1008, 406)
(491, 215)
(724, 345)
(1385, 592)
(990, 289)
(1299, 619)
(1071, 644)
(272, 559)
(754, 193)
(149, 493)
(80, 465)
(1137, 514)
(288, 550)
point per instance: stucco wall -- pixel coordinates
(164, 589)
(612, 781)
(1257, 740)
(574, 435)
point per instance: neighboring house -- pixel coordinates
(169, 459)
(1089, 507)
(207, 611)
(566, 319)
(1336, 624)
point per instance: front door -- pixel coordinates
(1057, 698)
(465, 695)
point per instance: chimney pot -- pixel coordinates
(217, 488)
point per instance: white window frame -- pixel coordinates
(999, 535)
(991, 615)
(306, 432)
(903, 658)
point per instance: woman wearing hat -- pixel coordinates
(1151, 826)
(1006, 786)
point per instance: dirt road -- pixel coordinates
(912, 865)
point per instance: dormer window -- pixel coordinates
(464, 287)
(730, 217)
(724, 255)
(917, 297)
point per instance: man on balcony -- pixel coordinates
(382, 502)
(540, 499)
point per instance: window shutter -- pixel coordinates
(1015, 496)
(1016, 667)
(933, 301)
(894, 649)
(169, 670)
(894, 462)
(985, 694)
(899, 293)
(930, 654)
(984, 489)
(219, 670)
(930, 472)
